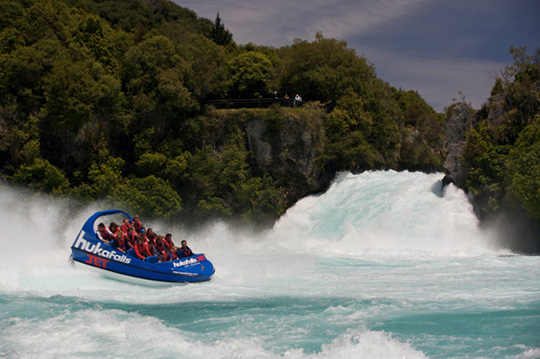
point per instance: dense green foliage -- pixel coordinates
(502, 153)
(106, 99)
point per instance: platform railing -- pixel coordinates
(254, 103)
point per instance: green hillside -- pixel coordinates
(109, 100)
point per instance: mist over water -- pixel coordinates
(382, 265)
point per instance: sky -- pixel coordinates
(444, 49)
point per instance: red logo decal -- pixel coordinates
(201, 258)
(97, 261)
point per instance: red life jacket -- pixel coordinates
(124, 228)
(139, 250)
(104, 233)
(168, 243)
(138, 225)
(149, 248)
(115, 233)
(187, 251)
(132, 238)
(170, 257)
(160, 248)
(120, 239)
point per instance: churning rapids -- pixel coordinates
(383, 265)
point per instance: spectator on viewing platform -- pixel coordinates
(297, 100)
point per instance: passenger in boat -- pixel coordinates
(139, 249)
(125, 225)
(118, 242)
(114, 229)
(167, 256)
(131, 237)
(151, 234)
(174, 253)
(149, 247)
(103, 233)
(184, 251)
(168, 241)
(137, 224)
(159, 245)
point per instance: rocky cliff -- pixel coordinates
(494, 155)
(459, 121)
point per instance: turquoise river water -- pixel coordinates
(383, 265)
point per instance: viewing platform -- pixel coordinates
(254, 103)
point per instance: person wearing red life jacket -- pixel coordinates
(159, 248)
(149, 247)
(114, 229)
(167, 256)
(168, 241)
(137, 224)
(170, 254)
(159, 244)
(139, 249)
(118, 242)
(184, 251)
(125, 225)
(131, 237)
(103, 233)
(174, 253)
(151, 234)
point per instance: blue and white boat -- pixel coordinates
(89, 250)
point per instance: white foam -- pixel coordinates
(118, 334)
(386, 212)
(529, 353)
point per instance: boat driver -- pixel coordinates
(184, 251)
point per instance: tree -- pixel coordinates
(323, 70)
(525, 169)
(250, 75)
(219, 34)
(154, 76)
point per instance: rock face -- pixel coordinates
(458, 123)
(288, 152)
(260, 148)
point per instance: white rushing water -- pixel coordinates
(383, 265)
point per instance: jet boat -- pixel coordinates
(89, 250)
